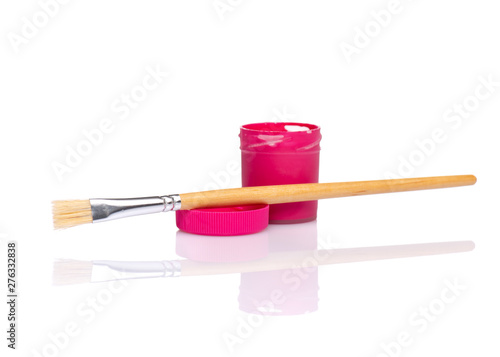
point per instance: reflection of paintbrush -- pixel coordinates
(75, 212)
(74, 272)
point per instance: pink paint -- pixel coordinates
(289, 291)
(278, 154)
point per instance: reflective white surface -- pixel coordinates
(359, 307)
(275, 60)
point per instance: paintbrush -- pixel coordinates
(72, 213)
(74, 271)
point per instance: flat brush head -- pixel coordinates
(71, 213)
(68, 272)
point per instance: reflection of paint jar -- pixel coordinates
(283, 292)
(278, 154)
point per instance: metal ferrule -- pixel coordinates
(106, 209)
(107, 270)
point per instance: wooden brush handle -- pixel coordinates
(316, 191)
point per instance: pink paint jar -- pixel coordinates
(280, 154)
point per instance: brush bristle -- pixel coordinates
(71, 213)
(68, 272)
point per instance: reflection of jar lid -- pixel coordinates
(224, 221)
(215, 249)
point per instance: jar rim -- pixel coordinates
(279, 127)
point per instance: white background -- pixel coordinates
(256, 61)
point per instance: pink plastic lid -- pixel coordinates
(224, 221)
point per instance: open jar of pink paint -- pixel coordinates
(280, 154)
